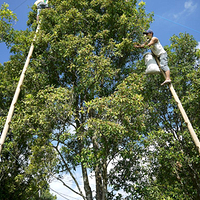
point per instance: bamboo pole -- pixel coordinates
(185, 117)
(17, 91)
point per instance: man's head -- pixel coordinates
(148, 33)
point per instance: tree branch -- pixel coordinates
(71, 174)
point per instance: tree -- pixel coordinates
(86, 106)
(169, 167)
(18, 179)
(79, 71)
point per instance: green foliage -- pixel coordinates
(85, 104)
(170, 157)
(79, 64)
(7, 18)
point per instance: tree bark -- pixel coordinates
(105, 180)
(98, 179)
(87, 187)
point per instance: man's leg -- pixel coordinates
(165, 68)
(167, 79)
(167, 73)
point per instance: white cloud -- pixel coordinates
(58, 189)
(189, 8)
(63, 192)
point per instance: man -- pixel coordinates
(159, 51)
(41, 4)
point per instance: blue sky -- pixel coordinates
(174, 16)
(171, 17)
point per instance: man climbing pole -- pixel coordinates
(158, 50)
(41, 4)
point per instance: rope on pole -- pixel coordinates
(17, 91)
(185, 117)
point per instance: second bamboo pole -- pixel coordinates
(185, 117)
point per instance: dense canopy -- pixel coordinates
(87, 110)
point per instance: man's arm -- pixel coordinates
(146, 44)
(140, 45)
(152, 41)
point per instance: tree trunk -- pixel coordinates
(87, 187)
(98, 179)
(105, 180)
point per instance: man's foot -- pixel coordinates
(166, 81)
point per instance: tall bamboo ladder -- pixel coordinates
(185, 117)
(17, 91)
